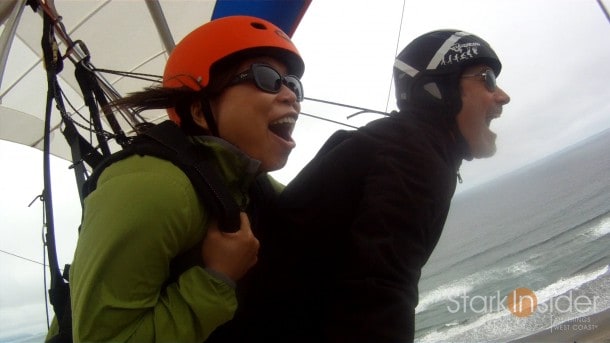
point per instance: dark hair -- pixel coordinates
(181, 99)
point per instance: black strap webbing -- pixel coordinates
(168, 142)
(82, 151)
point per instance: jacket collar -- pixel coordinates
(446, 125)
(236, 168)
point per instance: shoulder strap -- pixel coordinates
(168, 142)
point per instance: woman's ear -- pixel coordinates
(198, 115)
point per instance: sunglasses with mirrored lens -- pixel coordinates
(489, 77)
(270, 80)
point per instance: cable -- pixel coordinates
(44, 274)
(402, 17)
(328, 120)
(361, 109)
(133, 75)
(107, 134)
(23, 258)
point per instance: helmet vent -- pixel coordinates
(258, 26)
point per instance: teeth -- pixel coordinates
(285, 120)
(283, 127)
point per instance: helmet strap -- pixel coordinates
(209, 116)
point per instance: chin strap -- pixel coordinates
(209, 116)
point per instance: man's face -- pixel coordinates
(480, 105)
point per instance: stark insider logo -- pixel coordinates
(522, 302)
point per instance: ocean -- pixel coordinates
(543, 231)
(544, 228)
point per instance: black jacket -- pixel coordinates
(341, 254)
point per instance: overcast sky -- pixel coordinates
(555, 57)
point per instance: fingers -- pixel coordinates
(232, 254)
(249, 239)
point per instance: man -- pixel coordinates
(356, 226)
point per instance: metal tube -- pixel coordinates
(6, 40)
(604, 9)
(161, 23)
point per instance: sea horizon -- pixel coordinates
(526, 229)
(543, 228)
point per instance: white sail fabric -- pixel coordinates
(121, 35)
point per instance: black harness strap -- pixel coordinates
(59, 292)
(93, 95)
(82, 151)
(168, 142)
(203, 177)
(86, 83)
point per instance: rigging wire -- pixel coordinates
(130, 74)
(133, 119)
(360, 109)
(88, 16)
(402, 17)
(44, 274)
(44, 268)
(107, 134)
(328, 120)
(158, 78)
(25, 258)
(77, 52)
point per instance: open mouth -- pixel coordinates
(283, 128)
(488, 121)
(489, 118)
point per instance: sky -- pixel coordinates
(555, 57)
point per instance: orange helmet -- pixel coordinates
(189, 64)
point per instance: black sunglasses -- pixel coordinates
(489, 77)
(270, 80)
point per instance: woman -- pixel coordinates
(233, 87)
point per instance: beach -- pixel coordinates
(593, 328)
(545, 229)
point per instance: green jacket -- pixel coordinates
(143, 213)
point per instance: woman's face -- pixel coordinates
(257, 122)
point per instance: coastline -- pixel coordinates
(591, 328)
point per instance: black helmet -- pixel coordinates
(427, 71)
